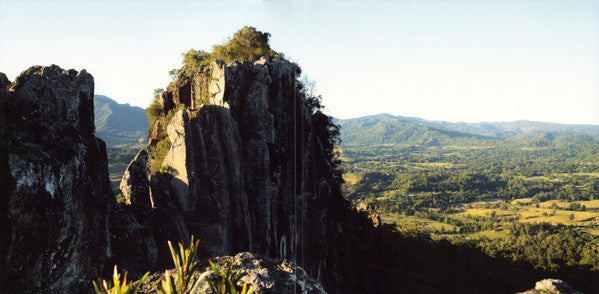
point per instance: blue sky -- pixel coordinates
(442, 60)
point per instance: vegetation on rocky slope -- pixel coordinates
(246, 44)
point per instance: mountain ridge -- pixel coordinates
(385, 128)
(119, 125)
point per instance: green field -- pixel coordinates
(520, 210)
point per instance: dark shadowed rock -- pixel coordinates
(57, 203)
(4, 82)
(247, 171)
(373, 215)
(135, 184)
(207, 177)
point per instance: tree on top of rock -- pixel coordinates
(247, 44)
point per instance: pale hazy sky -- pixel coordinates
(442, 60)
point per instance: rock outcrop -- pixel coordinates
(246, 171)
(263, 274)
(551, 286)
(135, 184)
(370, 210)
(57, 195)
(60, 224)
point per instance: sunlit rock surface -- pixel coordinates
(263, 274)
(551, 286)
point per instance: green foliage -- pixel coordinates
(546, 246)
(163, 146)
(173, 73)
(194, 60)
(119, 286)
(120, 198)
(226, 282)
(327, 132)
(246, 44)
(408, 178)
(158, 156)
(118, 160)
(436, 184)
(154, 111)
(181, 282)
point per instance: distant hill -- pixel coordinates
(119, 125)
(388, 129)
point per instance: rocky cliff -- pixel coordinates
(56, 194)
(61, 226)
(245, 170)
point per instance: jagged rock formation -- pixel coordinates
(370, 210)
(61, 226)
(56, 195)
(135, 184)
(551, 286)
(245, 170)
(263, 274)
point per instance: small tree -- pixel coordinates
(195, 59)
(155, 109)
(247, 44)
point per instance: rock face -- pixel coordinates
(246, 171)
(551, 286)
(263, 274)
(135, 184)
(57, 201)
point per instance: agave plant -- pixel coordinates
(120, 286)
(180, 282)
(226, 282)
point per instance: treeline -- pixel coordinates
(407, 260)
(406, 179)
(546, 246)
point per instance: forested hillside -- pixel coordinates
(523, 191)
(119, 125)
(389, 129)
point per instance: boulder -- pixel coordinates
(551, 286)
(263, 274)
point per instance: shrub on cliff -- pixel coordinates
(154, 110)
(247, 44)
(194, 59)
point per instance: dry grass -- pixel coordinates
(351, 178)
(491, 234)
(425, 224)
